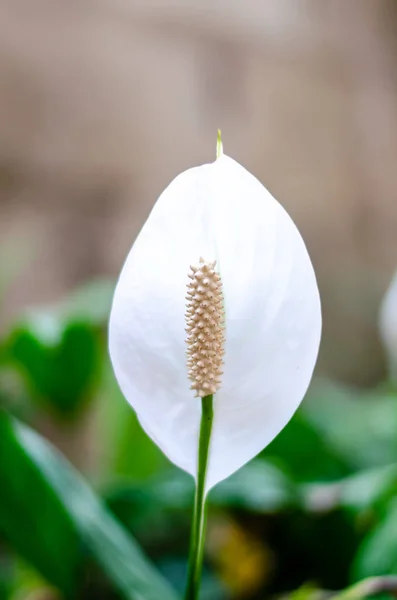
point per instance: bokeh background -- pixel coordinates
(102, 103)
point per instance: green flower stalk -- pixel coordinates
(199, 510)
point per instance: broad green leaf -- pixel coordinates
(32, 515)
(56, 522)
(60, 361)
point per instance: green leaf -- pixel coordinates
(306, 592)
(258, 487)
(60, 361)
(360, 428)
(369, 488)
(56, 522)
(362, 491)
(378, 552)
(373, 587)
(336, 431)
(302, 449)
(7, 573)
(122, 437)
(28, 583)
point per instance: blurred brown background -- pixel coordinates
(103, 102)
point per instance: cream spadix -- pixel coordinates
(204, 317)
(265, 328)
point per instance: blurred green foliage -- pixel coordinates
(313, 517)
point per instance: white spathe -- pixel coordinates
(272, 316)
(388, 325)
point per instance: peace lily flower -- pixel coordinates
(217, 300)
(388, 325)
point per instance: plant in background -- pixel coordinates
(248, 321)
(388, 326)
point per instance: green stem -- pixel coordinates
(199, 513)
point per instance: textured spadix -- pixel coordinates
(272, 317)
(205, 321)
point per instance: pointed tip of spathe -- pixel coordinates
(219, 145)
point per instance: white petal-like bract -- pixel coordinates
(272, 316)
